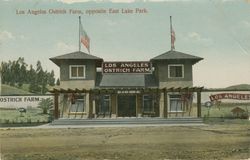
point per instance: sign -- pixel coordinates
(21, 101)
(128, 92)
(237, 96)
(127, 67)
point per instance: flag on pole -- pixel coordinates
(172, 39)
(172, 34)
(84, 38)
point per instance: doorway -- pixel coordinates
(126, 105)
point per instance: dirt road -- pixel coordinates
(221, 141)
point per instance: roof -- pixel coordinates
(126, 80)
(175, 55)
(78, 55)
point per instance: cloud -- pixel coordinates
(6, 35)
(64, 47)
(245, 24)
(196, 37)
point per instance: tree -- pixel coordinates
(58, 82)
(51, 78)
(33, 88)
(45, 105)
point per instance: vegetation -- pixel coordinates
(46, 105)
(224, 110)
(32, 115)
(17, 73)
(10, 90)
(240, 86)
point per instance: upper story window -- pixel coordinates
(77, 71)
(176, 71)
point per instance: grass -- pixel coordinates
(14, 116)
(240, 86)
(224, 110)
(9, 90)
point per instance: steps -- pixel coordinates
(127, 121)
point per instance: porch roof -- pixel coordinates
(114, 90)
(125, 80)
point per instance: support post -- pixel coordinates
(87, 103)
(198, 104)
(162, 106)
(165, 103)
(56, 112)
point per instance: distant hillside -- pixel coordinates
(8, 90)
(239, 86)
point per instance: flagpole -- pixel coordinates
(171, 33)
(79, 39)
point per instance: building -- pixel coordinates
(92, 88)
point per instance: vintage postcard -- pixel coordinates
(124, 79)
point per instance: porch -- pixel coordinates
(127, 102)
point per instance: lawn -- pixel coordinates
(14, 116)
(217, 141)
(223, 110)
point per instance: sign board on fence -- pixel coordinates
(236, 96)
(21, 101)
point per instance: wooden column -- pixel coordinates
(198, 104)
(90, 113)
(138, 105)
(113, 105)
(56, 111)
(165, 103)
(161, 108)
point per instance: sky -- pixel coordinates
(216, 30)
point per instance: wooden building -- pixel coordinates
(86, 91)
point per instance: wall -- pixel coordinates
(161, 73)
(90, 71)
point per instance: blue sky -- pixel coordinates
(217, 30)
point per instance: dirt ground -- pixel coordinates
(219, 141)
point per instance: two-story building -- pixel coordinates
(86, 91)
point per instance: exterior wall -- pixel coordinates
(86, 84)
(90, 70)
(161, 73)
(175, 84)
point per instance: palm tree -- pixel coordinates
(45, 105)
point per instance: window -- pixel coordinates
(176, 71)
(148, 103)
(77, 71)
(175, 104)
(78, 104)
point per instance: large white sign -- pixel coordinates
(21, 101)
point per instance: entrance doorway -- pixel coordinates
(126, 105)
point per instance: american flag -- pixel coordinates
(172, 34)
(172, 38)
(84, 38)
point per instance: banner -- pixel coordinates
(236, 96)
